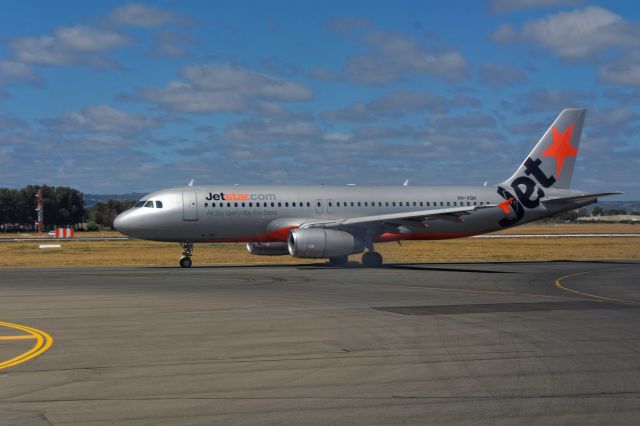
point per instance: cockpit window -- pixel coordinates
(139, 204)
(149, 204)
(158, 204)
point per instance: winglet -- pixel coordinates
(506, 205)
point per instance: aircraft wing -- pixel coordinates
(583, 197)
(411, 218)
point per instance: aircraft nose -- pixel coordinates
(122, 223)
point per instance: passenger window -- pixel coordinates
(293, 204)
(379, 203)
(319, 204)
(149, 204)
(228, 204)
(441, 203)
(448, 203)
(427, 204)
(158, 204)
(286, 204)
(386, 203)
(352, 204)
(455, 203)
(393, 204)
(421, 204)
(250, 204)
(414, 204)
(330, 204)
(273, 204)
(279, 204)
(400, 203)
(468, 203)
(475, 203)
(242, 204)
(366, 204)
(207, 204)
(358, 203)
(235, 204)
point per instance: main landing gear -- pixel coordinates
(185, 260)
(372, 259)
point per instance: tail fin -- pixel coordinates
(552, 159)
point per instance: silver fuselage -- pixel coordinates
(267, 213)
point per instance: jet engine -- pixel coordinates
(322, 243)
(268, 249)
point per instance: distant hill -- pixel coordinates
(628, 206)
(91, 199)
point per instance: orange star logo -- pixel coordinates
(561, 147)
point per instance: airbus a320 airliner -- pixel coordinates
(333, 222)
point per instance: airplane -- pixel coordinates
(333, 222)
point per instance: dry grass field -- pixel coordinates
(135, 252)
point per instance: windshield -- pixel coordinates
(140, 203)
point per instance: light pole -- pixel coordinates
(40, 211)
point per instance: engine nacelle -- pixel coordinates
(320, 243)
(268, 249)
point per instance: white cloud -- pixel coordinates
(393, 104)
(10, 70)
(393, 56)
(223, 87)
(102, 118)
(140, 15)
(577, 34)
(505, 33)
(68, 45)
(506, 6)
(262, 130)
(500, 75)
(624, 70)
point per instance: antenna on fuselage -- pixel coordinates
(406, 183)
(190, 183)
(485, 183)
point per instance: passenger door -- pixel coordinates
(189, 205)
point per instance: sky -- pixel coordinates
(114, 97)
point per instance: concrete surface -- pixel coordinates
(482, 343)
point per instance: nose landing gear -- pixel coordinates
(372, 259)
(185, 260)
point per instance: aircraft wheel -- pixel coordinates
(339, 261)
(185, 262)
(372, 259)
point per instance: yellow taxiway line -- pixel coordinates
(43, 343)
(558, 283)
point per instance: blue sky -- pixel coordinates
(112, 97)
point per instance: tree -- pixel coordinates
(597, 211)
(104, 213)
(63, 206)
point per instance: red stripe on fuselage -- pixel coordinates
(281, 235)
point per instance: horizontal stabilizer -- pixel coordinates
(578, 198)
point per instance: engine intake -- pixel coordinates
(319, 243)
(268, 249)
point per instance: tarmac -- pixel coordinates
(480, 343)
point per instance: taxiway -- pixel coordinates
(480, 343)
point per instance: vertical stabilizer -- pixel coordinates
(552, 160)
